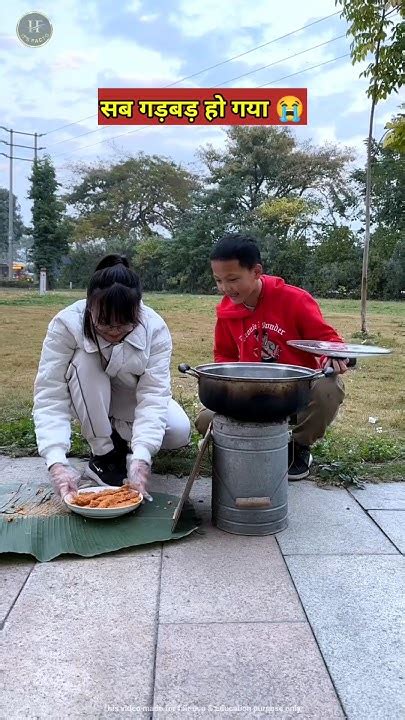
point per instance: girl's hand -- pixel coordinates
(139, 477)
(64, 479)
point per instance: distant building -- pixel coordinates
(20, 271)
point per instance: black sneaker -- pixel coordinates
(109, 469)
(299, 461)
(120, 445)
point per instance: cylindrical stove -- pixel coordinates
(249, 476)
(252, 403)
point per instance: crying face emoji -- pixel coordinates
(289, 109)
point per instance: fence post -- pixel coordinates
(42, 281)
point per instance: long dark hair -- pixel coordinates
(113, 295)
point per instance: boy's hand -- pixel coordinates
(339, 366)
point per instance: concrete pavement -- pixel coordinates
(305, 624)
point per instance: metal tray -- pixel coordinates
(338, 350)
(193, 475)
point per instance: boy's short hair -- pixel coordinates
(235, 246)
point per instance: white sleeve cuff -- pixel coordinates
(55, 455)
(140, 452)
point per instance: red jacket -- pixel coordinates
(283, 312)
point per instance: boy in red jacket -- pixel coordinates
(255, 318)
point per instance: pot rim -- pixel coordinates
(308, 374)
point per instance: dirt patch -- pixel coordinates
(32, 501)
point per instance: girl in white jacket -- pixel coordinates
(106, 362)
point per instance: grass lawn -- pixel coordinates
(353, 446)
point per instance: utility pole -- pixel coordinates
(12, 157)
(10, 213)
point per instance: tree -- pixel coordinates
(18, 225)
(335, 263)
(260, 164)
(373, 26)
(284, 193)
(288, 216)
(81, 263)
(396, 272)
(133, 198)
(387, 216)
(50, 230)
(395, 137)
(188, 268)
(387, 187)
(150, 261)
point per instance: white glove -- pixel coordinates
(139, 477)
(64, 479)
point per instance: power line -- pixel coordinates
(62, 127)
(225, 82)
(271, 82)
(278, 62)
(207, 69)
(326, 62)
(89, 132)
(258, 47)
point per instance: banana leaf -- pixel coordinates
(34, 521)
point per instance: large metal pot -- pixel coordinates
(254, 392)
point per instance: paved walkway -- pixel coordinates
(305, 624)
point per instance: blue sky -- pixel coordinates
(133, 43)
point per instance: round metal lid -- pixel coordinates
(338, 350)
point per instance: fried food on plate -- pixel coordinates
(120, 497)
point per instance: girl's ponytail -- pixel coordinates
(111, 260)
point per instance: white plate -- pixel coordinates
(101, 513)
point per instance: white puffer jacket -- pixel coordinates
(145, 366)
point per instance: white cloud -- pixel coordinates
(236, 20)
(9, 41)
(134, 6)
(294, 68)
(74, 60)
(325, 134)
(299, 49)
(192, 137)
(149, 18)
(384, 118)
(332, 79)
(196, 19)
(60, 79)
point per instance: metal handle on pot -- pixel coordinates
(350, 363)
(328, 372)
(187, 370)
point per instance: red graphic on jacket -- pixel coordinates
(268, 352)
(283, 312)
